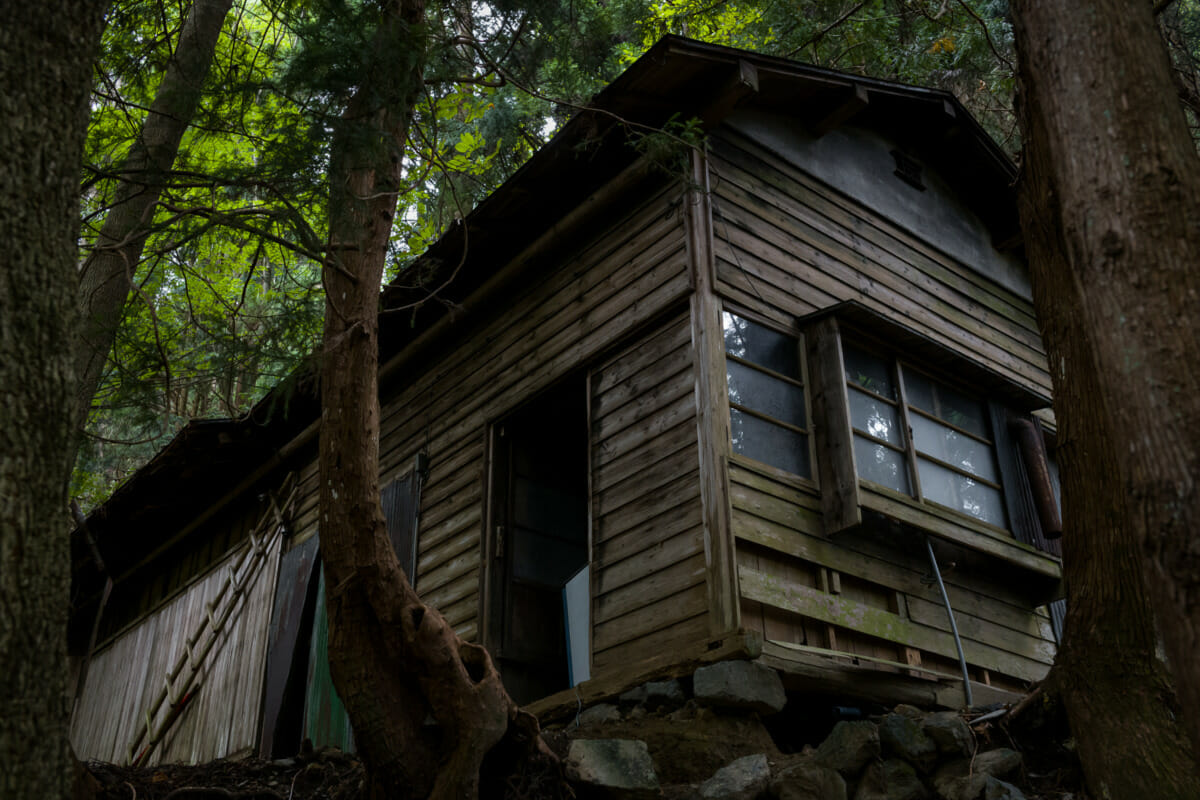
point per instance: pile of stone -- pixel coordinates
(661, 740)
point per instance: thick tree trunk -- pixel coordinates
(46, 53)
(1110, 206)
(395, 663)
(106, 277)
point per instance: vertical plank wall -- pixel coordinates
(648, 537)
(786, 245)
(126, 676)
(621, 280)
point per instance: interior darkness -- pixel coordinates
(808, 719)
(542, 451)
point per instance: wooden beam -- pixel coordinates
(741, 84)
(836, 467)
(855, 101)
(958, 528)
(813, 603)
(812, 669)
(673, 664)
(712, 416)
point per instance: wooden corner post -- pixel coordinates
(712, 418)
(836, 469)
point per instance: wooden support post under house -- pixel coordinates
(831, 583)
(909, 655)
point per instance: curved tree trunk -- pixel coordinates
(1110, 207)
(46, 54)
(395, 663)
(106, 277)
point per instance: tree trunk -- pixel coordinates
(1110, 207)
(106, 277)
(46, 54)
(395, 663)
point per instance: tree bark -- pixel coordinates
(395, 663)
(106, 277)
(1110, 208)
(46, 54)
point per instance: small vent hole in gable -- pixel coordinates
(908, 170)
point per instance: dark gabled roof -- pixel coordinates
(677, 78)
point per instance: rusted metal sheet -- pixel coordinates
(287, 651)
(325, 720)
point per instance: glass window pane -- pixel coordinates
(919, 391)
(953, 447)
(758, 439)
(948, 488)
(881, 465)
(946, 403)
(774, 350)
(875, 417)
(868, 371)
(765, 393)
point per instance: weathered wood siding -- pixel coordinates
(620, 281)
(855, 596)
(125, 677)
(787, 244)
(648, 566)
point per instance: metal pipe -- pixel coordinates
(962, 660)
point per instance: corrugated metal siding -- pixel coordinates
(325, 720)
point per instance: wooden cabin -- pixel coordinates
(638, 413)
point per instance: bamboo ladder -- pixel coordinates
(181, 683)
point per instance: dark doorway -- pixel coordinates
(540, 539)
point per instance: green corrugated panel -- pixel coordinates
(325, 720)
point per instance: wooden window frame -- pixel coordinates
(898, 366)
(847, 496)
(802, 385)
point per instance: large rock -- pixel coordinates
(903, 737)
(849, 747)
(967, 778)
(688, 749)
(743, 779)
(599, 714)
(948, 731)
(739, 685)
(912, 712)
(612, 768)
(805, 779)
(892, 779)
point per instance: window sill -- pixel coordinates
(954, 527)
(775, 473)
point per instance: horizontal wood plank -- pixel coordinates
(836, 610)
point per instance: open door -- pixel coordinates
(539, 536)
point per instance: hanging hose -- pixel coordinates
(962, 660)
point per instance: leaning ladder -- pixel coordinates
(181, 682)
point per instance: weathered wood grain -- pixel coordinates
(222, 717)
(880, 624)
